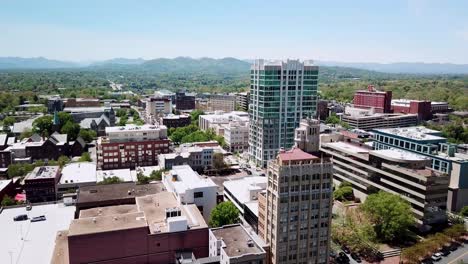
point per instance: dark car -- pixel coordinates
(445, 251)
(345, 249)
(342, 259)
(343, 256)
(454, 246)
(20, 217)
(427, 261)
(356, 257)
(38, 218)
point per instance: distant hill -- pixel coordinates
(33, 63)
(404, 67)
(122, 61)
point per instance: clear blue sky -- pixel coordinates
(351, 31)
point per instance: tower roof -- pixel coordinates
(295, 154)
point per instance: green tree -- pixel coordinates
(225, 213)
(123, 120)
(63, 160)
(156, 175)
(464, 211)
(390, 214)
(9, 121)
(27, 133)
(121, 112)
(71, 129)
(64, 117)
(344, 194)
(194, 116)
(332, 119)
(85, 157)
(87, 135)
(8, 201)
(142, 179)
(111, 180)
(43, 125)
(218, 161)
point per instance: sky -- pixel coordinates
(345, 31)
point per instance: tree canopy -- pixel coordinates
(225, 213)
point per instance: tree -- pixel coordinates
(218, 161)
(8, 121)
(8, 201)
(344, 193)
(111, 180)
(64, 117)
(390, 214)
(43, 125)
(72, 129)
(27, 133)
(121, 112)
(123, 120)
(464, 211)
(63, 160)
(225, 213)
(142, 179)
(87, 135)
(156, 175)
(332, 119)
(85, 157)
(194, 116)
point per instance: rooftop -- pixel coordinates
(399, 155)
(4, 183)
(123, 174)
(78, 172)
(118, 191)
(414, 133)
(32, 242)
(109, 210)
(187, 179)
(132, 128)
(106, 223)
(295, 154)
(349, 147)
(86, 109)
(43, 172)
(21, 126)
(236, 241)
(241, 188)
(221, 117)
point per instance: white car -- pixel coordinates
(436, 256)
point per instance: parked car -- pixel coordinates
(38, 218)
(436, 257)
(28, 207)
(356, 257)
(20, 217)
(445, 251)
(427, 261)
(454, 246)
(343, 256)
(342, 259)
(346, 249)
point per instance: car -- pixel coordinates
(445, 251)
(427, 261)
(436, 257)
(344, 256)
(454, 246)
(342, 259)
(38, 218)
(20, 217)
(356, 257)
(28, 207)
(345, 249)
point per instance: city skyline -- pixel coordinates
(408, 31)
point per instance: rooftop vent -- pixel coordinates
(250, 243)
(94, 219)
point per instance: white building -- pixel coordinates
(158, 106)
(191, 188)
(217, 119)
(124, 175)
(76, 175)
(136, 133)
(197, 157)
(236, 136)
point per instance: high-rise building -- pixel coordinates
(371, 98)
(295, 212)
(281, 94)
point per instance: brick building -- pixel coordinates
(81, 102)
(184, 101)
(421, 108)
(40, 184)
(131, 146)
(176, 121)
(371, 98)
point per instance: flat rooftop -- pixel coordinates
(241, 188)
(107, 223)
(32, 242)
(188, 179)
(399, 155)
(43, 172)
(78, 172)
(414, 133)
(348, 147)
(133, 128)
(86, 109)
(236, 241)
(124, 175)
(109, 210)
(4, 183)
(118, 191)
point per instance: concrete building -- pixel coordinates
(236, 245)
(243, 193)
(443, 157)
(440, 107)
(41, 183)
(366, 119)
(158, 106)
(221, 102)
(175, 121)
(421, 108)
(154, 230)
(25, 242)
(295, 211)
(243, 101)
(131, 146)
(76, 175)
(191, 188)
(236, 136)
(395, 171)
(217, 119)
(184, 101)
(197, 157)
(371, 98)
(281, 93)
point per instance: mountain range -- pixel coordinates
(224, 65)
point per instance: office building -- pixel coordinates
(216, 120)
(40, 184)
(371, 98)
(184, 101)
(281, 94)
(234, 244)
(154, 230)
(158, 106)
(221, 102)
(191, 188)
(175, 121)
(81, 102)
(76, 175)
(440, 107)
(367, 119)
(421, 108)
(236, 136)
(242, 101)
(243, 193)
(443, 157)
(131, 146)
(198, 158)
(80, 113)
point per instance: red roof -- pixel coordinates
(295, 154)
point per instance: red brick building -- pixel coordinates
(40, 184)
(82, 102)
(371, 98)
(131, 146)
(421, 108)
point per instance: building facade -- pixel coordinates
(198, 158)
(281, 94)
(175, 121)
(40, 184)
(236, 136)
(131, 146)
(378, 120)
(243, 101)
(443, 157)
(158, 106)
(184, 101)
(371, 98)
(420, 108)
(222, 102)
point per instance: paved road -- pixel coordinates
(461, 254)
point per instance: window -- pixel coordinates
(198, 194)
